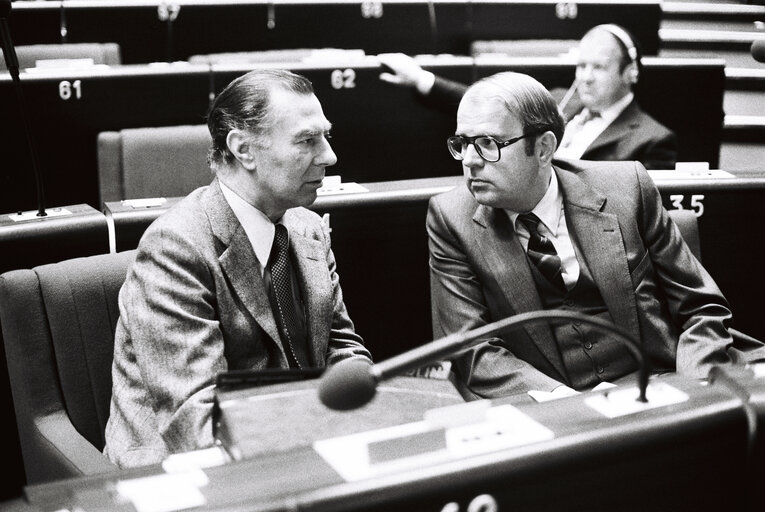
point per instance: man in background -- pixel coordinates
(606, 122)
(238, 275)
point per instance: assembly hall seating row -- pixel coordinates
(383, 229)
(380, 132)
(40, 55)
(155, 30)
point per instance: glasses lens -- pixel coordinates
(487, 148)
(455, 147)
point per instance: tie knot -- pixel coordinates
(589, 115)
(530, 220)
(281, 241)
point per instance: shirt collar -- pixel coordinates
(549, 208)
(612, 112)
(257, 226)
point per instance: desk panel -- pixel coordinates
(656, 459)
(380, 132)
(151, 30)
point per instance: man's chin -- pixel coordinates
(483, 196)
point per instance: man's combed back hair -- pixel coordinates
(244, 105)
(524, 97)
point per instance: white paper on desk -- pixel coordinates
(502, 427)
(689, 174)
(165, 492)
(624, 401)
(32, 214)
(342, 188)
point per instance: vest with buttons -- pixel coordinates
(590, 355)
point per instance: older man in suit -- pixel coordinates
(606, 122)
(527, 233)
(238, 275)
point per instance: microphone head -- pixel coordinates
(5, 8)
(758, 50)
(348, 384)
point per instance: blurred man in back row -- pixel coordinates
(605, 120)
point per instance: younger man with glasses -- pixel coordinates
(525, 235)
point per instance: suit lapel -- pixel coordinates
(311, 270)
(618, 130)
(599, 239)
(239, 263)
(505, 255)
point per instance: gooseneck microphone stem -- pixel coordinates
(567, 97)
(12, 63)
(453, 344)
(352, 383)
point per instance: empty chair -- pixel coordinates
(688, 224)
(745, 347)
(167, 161)
(281, 55)
(524, 47)
(99, 53)
(58, 323)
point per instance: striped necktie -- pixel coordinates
(542, 252)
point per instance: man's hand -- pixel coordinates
(405, 71)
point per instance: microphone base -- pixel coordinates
(35, 214)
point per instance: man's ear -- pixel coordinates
(240, 143)
(632, 74)
(545, 147)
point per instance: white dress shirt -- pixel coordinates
(257, 226)
(581, 132)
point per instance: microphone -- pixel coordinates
(352, 383)
(433, 25)
(758, 50)
(12, 62)
(567, 97)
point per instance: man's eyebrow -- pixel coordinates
(313, 132)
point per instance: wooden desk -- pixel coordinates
(665, 458)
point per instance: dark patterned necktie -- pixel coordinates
(542, 252)
(286, 314)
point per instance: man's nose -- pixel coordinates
(470, 156)
(326, 156)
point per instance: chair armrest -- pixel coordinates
(67, 452)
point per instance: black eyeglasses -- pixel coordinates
(486, 146)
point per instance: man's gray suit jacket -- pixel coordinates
(651, 283)
(193, 305)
